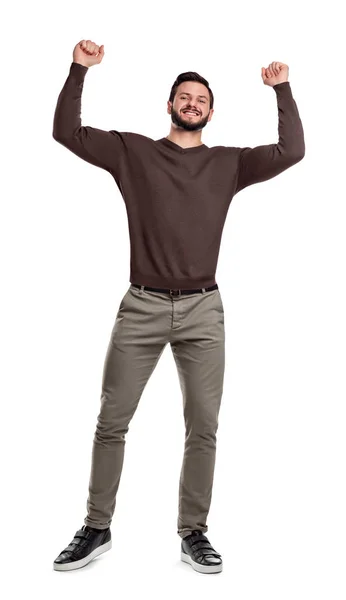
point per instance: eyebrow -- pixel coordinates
(187, 94)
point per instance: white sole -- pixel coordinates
(201, 568)
(77, 564)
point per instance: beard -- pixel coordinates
(187, 123)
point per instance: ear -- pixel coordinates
(169, 106)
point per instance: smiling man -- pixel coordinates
(177, 192)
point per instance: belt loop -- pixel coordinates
(141, 290)
(203, 290)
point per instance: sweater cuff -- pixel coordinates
(282, 86)
(78, 70)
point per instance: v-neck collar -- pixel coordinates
(180, 149)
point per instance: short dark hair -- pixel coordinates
(191, 76)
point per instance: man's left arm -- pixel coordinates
(264, 162)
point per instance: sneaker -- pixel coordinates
(85, 546)
(197, 551)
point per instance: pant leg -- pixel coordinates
(137, 341)
(198, 347)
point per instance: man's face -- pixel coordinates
(194, 96)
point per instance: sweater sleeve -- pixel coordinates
(264, 162)
(100, 148)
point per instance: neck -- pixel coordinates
(185, 141)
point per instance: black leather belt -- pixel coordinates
(176, 292)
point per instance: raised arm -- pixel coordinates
(100, 148)
(264, 162)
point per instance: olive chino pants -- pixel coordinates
(146, 321)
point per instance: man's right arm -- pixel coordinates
(100, 148)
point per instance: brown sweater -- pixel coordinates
(176, 198)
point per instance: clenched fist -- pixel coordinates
(277, 72)
(87, 53)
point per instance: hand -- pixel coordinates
(277, 72)
(88, 53)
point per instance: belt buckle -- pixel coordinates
(175, 292)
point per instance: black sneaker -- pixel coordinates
(197, 551)
(85, 546)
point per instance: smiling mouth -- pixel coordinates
(191, 114)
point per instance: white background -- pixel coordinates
(279, 496)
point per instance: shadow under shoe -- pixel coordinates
(197, 551)
(85, 546)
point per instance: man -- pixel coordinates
(177, 192)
